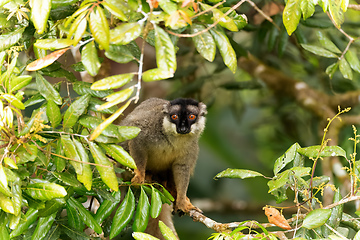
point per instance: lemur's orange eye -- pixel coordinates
(174, 117)
(192, 117)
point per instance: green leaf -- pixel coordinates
(327, 43)
(105, 167)
(83, 88)
(330, 70)
(53, 113)
(142, 213)
(353, 60)
(47, 90)
(99, 27)
(85, 215)
(345, 69)
(156, 203)
(120, 54)
(327, 151)
(30, 217)
(86, 176)
(125, 33)
(9, 39)
(204, 42)
(72, 153)
(53, 43)
(123, 214)
(119, 154)
(67, 178)
(225, 21)
(336, 12)
(16, 83)
(117, 12)
(307, 8)
(166, 231)
(76, 109)
(40, 10)
(35, 99)
(282, 179)
(316, 218)
(143, 236)
(107, 207)
(291, 15)
(165, 51)
(73, 217)
(89, 58)
(336, 214)
(112, 82)
(237, 173)
(51, 207)
(16, 197)
(59, 161)
(319, 51)
(4, 233)
(226, 50)
(45, 191)
(287, 157)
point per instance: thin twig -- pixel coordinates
(71, 159)
(263, 14)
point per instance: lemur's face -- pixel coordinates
(184, 116)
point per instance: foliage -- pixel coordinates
(64, 153)
(318, 221)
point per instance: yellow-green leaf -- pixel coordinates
(40, 10)
(115, 81)
(116, 98)
(291, 15)
(86, 176)
(53, 44)
(100, 28)
(6, 204)
(224, 20)
(156, 74)
(13, 101)
(125, 33)
(119, 154)
(105, 167)
(336, 12)
(114, 11)
(108, 121)
(72, 153)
